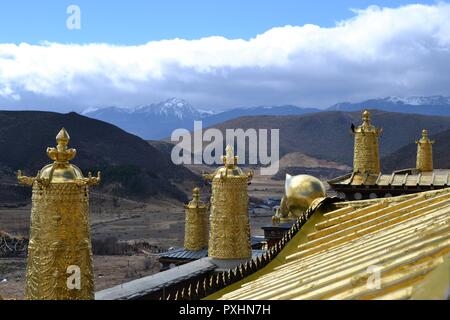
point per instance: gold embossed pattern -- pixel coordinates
(59, 263)
(229, 236)
(196, 227)
(366, 154)
(424, 161)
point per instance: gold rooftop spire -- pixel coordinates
(366, 155)
(196, 227)
(230, 159)
(424, 161)
(59, 252)
(229, 236)
(61, 153)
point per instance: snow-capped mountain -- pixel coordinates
(420, 101)
(171, 108)
(433, 105)
(159, 120)
(154, 121)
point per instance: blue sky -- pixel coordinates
(221, 54)
(140, 21)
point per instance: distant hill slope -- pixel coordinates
(434, 105)
(164, 147)
(405, 157)
(256, 111)
(296, 163)
(326, 135)
(131, 167)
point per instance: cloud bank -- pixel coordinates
(379, 52)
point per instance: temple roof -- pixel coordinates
(140, 288)
(184, 254)
(408, 177)
(341, 253)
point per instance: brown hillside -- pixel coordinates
(326, 135)
(131, 167)
(405, 157)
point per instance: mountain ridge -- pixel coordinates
(157, 121)
(335, 141)
(432, 105)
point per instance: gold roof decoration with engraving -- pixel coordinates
(424, 162)
(395, 248)
(229, 235)
(196, 202)
(60, 171)
(196, 223)
(423, 175)
(230, 169)
(366, 159)
(60, 240)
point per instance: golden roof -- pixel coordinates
(402, 178)
(396, 248)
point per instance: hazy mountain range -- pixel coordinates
(434, 105)
(157, 121)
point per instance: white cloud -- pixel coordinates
(379, 52)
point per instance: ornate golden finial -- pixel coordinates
(60, 171)
(196, 225)
(366, 117)
(424, 161)
(196, 194)
(229, 221)
(63, 138)
(229, 160)
(59, 263)
(424, 134)
(195, 202)
(61, 154)
(366, 154)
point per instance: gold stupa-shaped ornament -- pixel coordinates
(196, 227)
(59, 252)
(229, 236)
(424, 161)
(366, 158)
